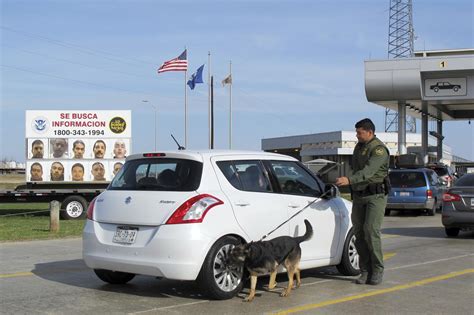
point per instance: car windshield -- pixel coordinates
(161, 174)
(407, 179)
(466, 180)
(440, 171)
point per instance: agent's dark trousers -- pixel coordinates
(367, 217)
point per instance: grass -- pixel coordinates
(36, 228)
(33, 226)
(12, 208)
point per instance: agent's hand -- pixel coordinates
(342, 181)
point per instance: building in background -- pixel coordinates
(337, 146)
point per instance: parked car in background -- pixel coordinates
(444, 172)
(178, 214)
(458, 206)
(417, 189)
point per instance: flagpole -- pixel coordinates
(185, 111)
(230, 107)
(209, 95)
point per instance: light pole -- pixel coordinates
(155, 109)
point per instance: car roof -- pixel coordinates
(200, 155)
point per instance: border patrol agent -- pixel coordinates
(369, 188)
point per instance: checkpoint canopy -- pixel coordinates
(438, 84)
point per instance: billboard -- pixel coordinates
(76, 145)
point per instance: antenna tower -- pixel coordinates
(400, 45)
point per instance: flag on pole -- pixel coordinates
(179, 63)
(227, 80)
(196, 78)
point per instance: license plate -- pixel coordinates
(125, 235)
(404, 194)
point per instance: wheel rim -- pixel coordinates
(353, 255)
(226, 277)
(74, 209)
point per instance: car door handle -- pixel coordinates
(294, 205)
(242, 203)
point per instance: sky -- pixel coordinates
(297, 66)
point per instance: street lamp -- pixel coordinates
(155, 109)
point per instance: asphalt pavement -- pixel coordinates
(426, 272)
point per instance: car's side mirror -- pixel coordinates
(331, 191)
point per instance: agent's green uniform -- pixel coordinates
(370, 163)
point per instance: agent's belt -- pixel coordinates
(371, 189)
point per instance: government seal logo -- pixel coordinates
(40, 124)
(117, 125)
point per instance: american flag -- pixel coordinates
(177, 64)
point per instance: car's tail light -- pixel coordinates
(194, 210)
(90, 209)
(429, 193)
(449, 197)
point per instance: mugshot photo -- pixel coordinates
(99, 171)
(37, 148)
(36, 172)
(115, 166)
(58, 148)
(79, 149)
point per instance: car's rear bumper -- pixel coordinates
(460, 219)
(170, 251)
(428, 204)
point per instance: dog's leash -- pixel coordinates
(294, 215)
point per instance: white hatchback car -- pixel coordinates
(178, 214)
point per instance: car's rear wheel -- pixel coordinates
(432, 211)
(114, 277)
(387, 212)
(455, 89)
(349, 265)
(219, 280)
(452, 232)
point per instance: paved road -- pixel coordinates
(425, 273)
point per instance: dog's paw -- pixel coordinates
(272, 286)
(248, 299)
(285, 293)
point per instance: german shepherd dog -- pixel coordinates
(264, 257)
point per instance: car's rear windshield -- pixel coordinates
(160, 174)
(440, 171)
(466, 180)
(407, 179)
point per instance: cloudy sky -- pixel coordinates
(297, 66)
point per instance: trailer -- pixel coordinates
(74, 197)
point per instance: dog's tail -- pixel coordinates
(308, 234)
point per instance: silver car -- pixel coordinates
(458, 206)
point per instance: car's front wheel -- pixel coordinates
(349, 265)
(217, 278)
(114, 277)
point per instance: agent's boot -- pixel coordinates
(363, 278)
(376, 278)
